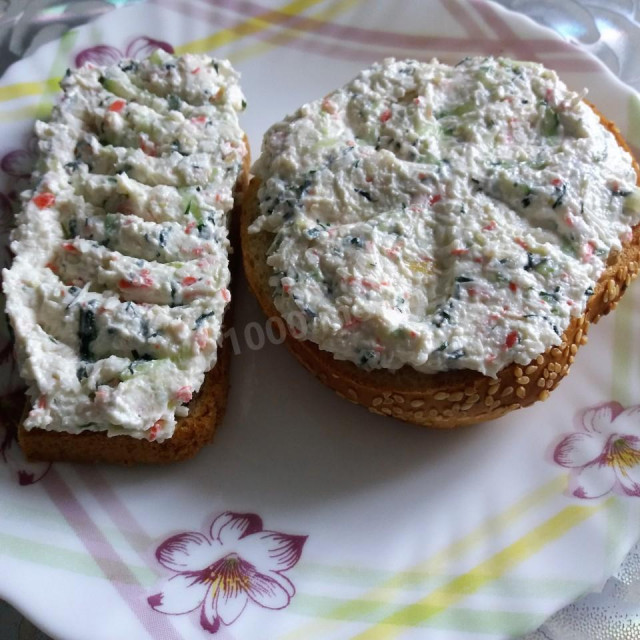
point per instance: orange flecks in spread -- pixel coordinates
(69, 247)
(153, 431)
(511, 340)
(44, 200)
(184, 394)
(141, 281)
(117, 106)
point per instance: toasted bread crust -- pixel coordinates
(206, 409)
(453, 398)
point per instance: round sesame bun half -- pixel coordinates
(450, 398)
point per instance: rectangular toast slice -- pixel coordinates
(119, 290)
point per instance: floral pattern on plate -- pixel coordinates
(220, 573)
(604, 456)
(22, 471)
(104, 54)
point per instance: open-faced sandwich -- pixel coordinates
(438, 239)
(120, 281)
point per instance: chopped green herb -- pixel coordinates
(174, 102)
(560, 193)
(87, 332)
(200, 319)
(365, 194)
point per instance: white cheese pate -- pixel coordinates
(442, 217)
(119, 284)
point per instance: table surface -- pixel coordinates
(609, 29)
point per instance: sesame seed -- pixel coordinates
(523, 380)
(455, 397)
(433, 413)
(521, 392)
(441, 395)
(398, 399)
(507, 391)
(573, 349)
(540, 382)
(543, 395)
(531, 369)
(376, 402)
(416, 404)
(517, 372)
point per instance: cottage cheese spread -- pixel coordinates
(119, 284)
(442, 217)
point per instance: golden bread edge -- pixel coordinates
(206, 409)
(453, 398)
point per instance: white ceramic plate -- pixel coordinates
(355, 526)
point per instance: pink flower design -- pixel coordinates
(25, 472)
(605, 455)
(18, 163)
(6, 215)
(219, 574)
(104, 54)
